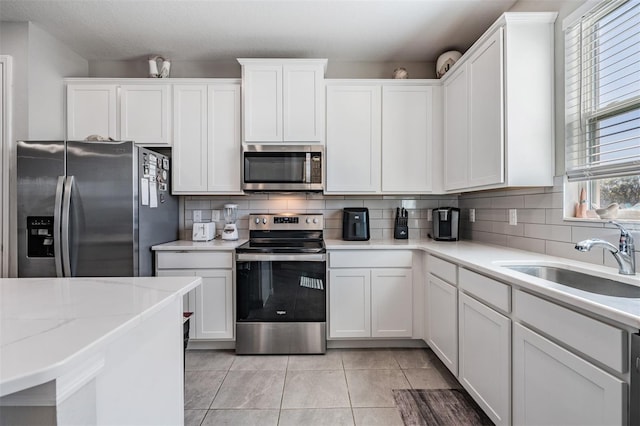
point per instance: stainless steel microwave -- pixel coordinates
(282, 168)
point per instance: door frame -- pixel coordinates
(5, 154)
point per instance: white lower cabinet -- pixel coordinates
(485, 357)
(350, 303)
(391, 300)
(366, 301)
(442, 321)
(211, 302)
(370, 303)
(552, 386)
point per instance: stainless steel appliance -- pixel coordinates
(355, 224)
(282, 168)
(91, 209)
(446, 222)
(281, 297)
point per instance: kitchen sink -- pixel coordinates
(579, 280)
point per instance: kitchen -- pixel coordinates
(540, 226)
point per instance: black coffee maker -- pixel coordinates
(355, 224)
(446, 221)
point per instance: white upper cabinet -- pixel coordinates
(206, 150)
(456, 133)
(190, 134)
(498, 102)
(353, 139)
(486, 136)
(382, 137)
(407, 138)
(119, 109)
(91, 110)
(145, 113)
(283, 100)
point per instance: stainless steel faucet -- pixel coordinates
(624, 254)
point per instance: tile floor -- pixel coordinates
(342, 387)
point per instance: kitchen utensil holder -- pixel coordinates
(401, 232)
(401, 227)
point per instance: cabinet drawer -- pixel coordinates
(491, 291)
(370, 259)
(193, 259)
(442, 268)
(596, 339)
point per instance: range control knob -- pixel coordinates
(308, 220)
(315, 220)
(264, 220)
(257, 220)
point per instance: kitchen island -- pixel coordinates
(92, 350)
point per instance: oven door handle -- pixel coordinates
(276, 257)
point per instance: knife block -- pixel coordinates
(401, 232)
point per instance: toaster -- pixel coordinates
(204, 231)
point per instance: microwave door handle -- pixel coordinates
(307, 168)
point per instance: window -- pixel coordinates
(602, 115)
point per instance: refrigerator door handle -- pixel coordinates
(66, 210)
(57, 213)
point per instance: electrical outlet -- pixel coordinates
(197, 215)
(216, 215)
(513, 217)
(429, 215)
(472, 215)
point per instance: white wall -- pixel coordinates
(40, 62)
(49, 62)
(226, 69)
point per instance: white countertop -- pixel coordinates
(216, 244)
(50, 325)
(487, 259)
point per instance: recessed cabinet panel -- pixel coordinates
(214, 303)
(91, 110)
(262, 103)
(144, 114)
(456, 130)
(353, 139)
(350, 303)
(442, 322)
(552, 386)
(407, 130)
(485, 357)
(391, 299)
(486, 126)
(190, 136)
(303, 90)
(224, 143)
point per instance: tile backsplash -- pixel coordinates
(382, 210)
(540, 224)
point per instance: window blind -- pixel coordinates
(602, 92)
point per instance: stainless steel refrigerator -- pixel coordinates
(89, 209)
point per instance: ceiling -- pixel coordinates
(187, 30)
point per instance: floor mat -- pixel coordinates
(438, 407)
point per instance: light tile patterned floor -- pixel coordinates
(342, 387)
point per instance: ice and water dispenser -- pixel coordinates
(40, 236)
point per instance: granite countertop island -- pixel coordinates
(91, 342)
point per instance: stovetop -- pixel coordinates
(284, 233)
(282, 245)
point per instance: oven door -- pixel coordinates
(280, 288)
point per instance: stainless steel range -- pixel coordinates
(281, 297)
